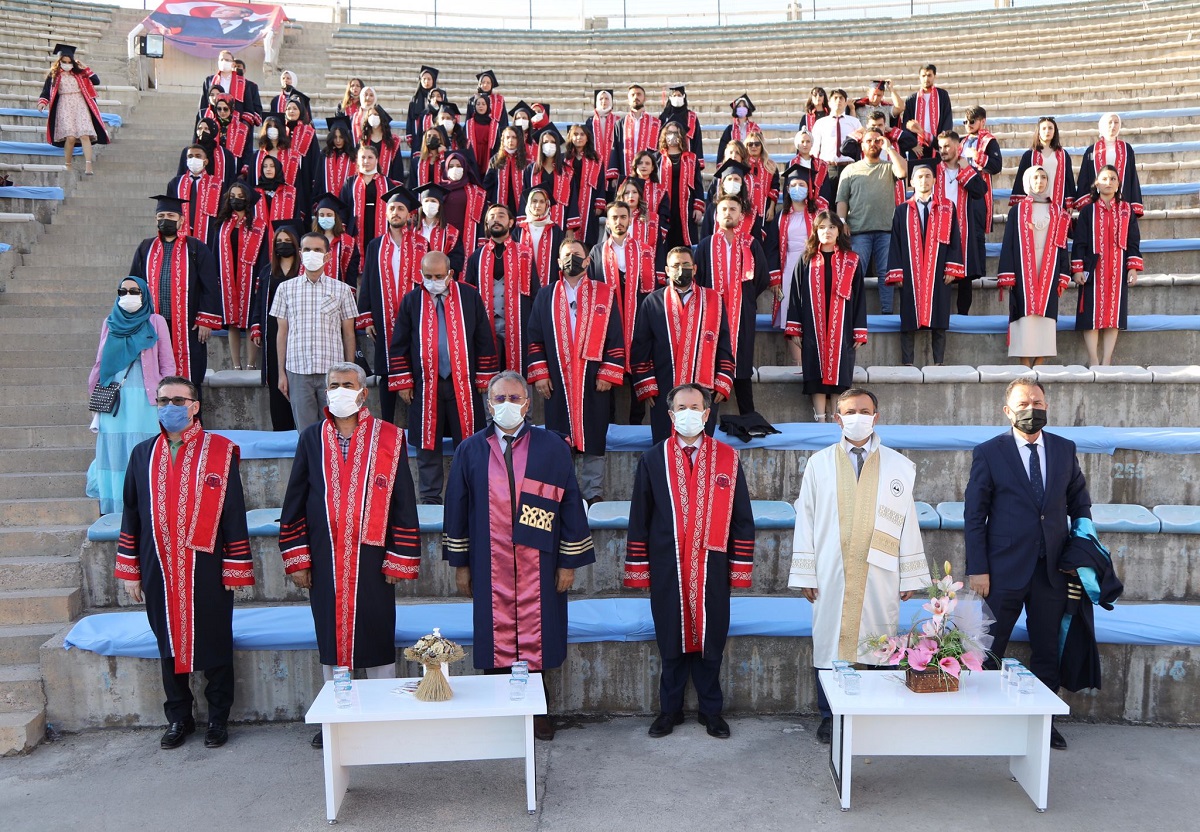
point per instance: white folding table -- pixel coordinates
(479, 723)
(980, 719)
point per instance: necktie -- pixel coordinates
(1035, 473)
(859, 456)
(837, 148)
(690, 451)
(572, 317)
(924, 208)
(509, 441)
(443, 344)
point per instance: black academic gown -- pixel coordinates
(974, 242)
(802, 315)
(945, 121)
(1064, 170)
(266, 326)
(1102, 291)
(758, 283)
(1012, 271)
(305, 542)
(1131, 183)
(949, 262)
(471, 275)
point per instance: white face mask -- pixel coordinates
(326, 223)
(454, 174)
(373, 120)
(273, 133)
(66, 66)
(523, 123)
(741, 112)
(676, 100)
(549, 150)
(446, 124)
(731, 186)
(343, 401)
(130, 303)
(507, 415)
(313, 261)
(857, 426)
(434, 287)
(195, 165)
(430, 209)
(688, 423)
(225, 66)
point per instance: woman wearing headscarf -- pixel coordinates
(264, 328)
(1035, 267)
(414, 124)
(740, 124)
(135, 351)
(1109, 151)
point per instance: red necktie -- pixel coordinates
(690, 450)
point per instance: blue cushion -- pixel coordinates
(927, 516)
(951, 514)
(1178, 519)
(263, 522)
(1125, 518)
(107, 528)
(768, 514)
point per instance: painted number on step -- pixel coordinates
(1129, 470)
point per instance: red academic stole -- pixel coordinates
(481, 138)
(460, 369)
(980, 153)
(593, 308)
(358, 494)
(1039, 283)
(288, 160)
(208, 200)
(236, 89)
(736, 134)
(237, 279)
(543, 253)
(800, 214)
(602, 133)
(829, 314)
(283, 204)
(928, 104)
(518, 282)
(702, 499)
(639, 279)
(923, 253)
(1110, 237)
(382, 186)
(590, 173)
(560, 191)
(472, 214)
(963, 176)
(180, 345)
(387, 151)
(442, 237)
(1059, 185)
(728, 279)
(338, 168)
(647, 137)
(235, 134)
(187, 497)
(693, 328)
(760, 187)
(302, 136)
(508, 183)
(393, 288)
(338, 266)
(687, 175)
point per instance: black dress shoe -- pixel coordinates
(216, 735)
(318, 740)
(665, 724)
(543, 728)
(1057, 740)
(176, 733)
(825, 731)
(716, 725)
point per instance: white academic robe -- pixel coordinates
(817, 553)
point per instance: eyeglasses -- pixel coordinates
(753, 144)
(499, 398)
(123, 292)
(178, 401)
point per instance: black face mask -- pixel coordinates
(683, 280)
(1029, 420)
(434, 143)
(237, 203)
(573, 266)
(285, 249)
(168, 228)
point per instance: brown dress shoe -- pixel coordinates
(543, 728)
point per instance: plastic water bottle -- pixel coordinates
(516, 688)
(342, 686)
(520, 670)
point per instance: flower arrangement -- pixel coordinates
(432, 651)
(938, 649)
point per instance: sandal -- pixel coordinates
(87, 169)
(237, 366)
(251, 367)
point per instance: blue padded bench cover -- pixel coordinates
(1178, 519)
(591, 620)
(1108, 517)
(109, 119)
(768, 514)
(31, 192)
(998, 324)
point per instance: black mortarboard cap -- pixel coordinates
(333, 203)
(795, 171)
(450, 107)
(520, 106)
(300, 98)
(551, 130)
(930, 163)
(743, 97)
(402, 194)
(432, 70)
(732, 166)
(342, 122)
(879, 84)
(293, 226)
(487, 73)
(64, 50)
(169, 203)
(433, 190)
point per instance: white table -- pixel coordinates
(379, 727)
(980, 719)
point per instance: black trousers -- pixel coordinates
(1044, 605)
(937, 338)
(743, 390)
(965, 291)
(430, 469)
(387, 402)
(706, 679)
(218, 691)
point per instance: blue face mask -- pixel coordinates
(798, 193)
(326, 223)
(174, 417)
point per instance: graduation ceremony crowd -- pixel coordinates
(481, 256)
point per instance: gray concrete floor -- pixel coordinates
(601, 775)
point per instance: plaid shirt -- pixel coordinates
(314, 312)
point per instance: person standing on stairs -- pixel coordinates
(69, 100)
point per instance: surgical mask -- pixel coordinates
(446, 124)
(507, 415)
(676, 100)
(373, 120)
(66, 67)
(741, 112)
(731, 186)
(174, 417)
(326, 223)
(343, 401)
(549, 150)
(195, 165)
(273, 133)
(285, 249)
(688, 423)
(130, 303)
(523, 123)
(237, 203)
(434, 287)
(798, 193)
(313, 261)
(1029, 420)
(454, 174)
(857, 426)
(430, 209)
(572, 266)
(168, 228)
(225, 66)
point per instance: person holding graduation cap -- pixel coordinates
(181, 275)
(864, 107)
(69, 100)
(414, 124)
(740, 124)
(602, 125)
(677, 111)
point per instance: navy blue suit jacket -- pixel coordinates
(1004, 526)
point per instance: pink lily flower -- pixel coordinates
(972, 660)
(919, 658)
(950, 665)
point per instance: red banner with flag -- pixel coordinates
(205, 27)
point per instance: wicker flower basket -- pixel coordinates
(929, 681)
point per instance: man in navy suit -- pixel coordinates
(1024, 490)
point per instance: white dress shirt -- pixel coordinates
(1024, 449)
(825, 137)
(871, 446)
(619, 250)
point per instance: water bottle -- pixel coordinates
(516, 688)
(520, 670)
(342, 685)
